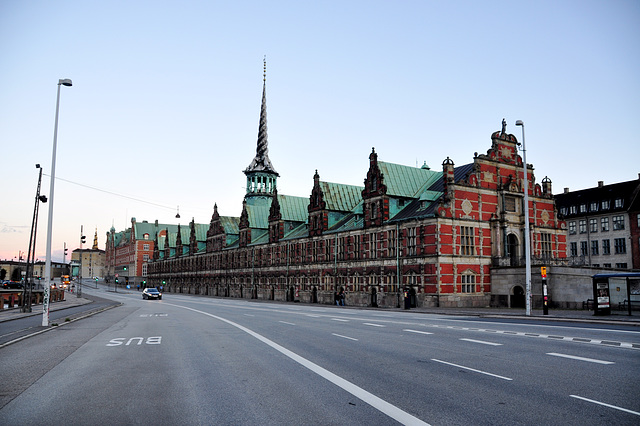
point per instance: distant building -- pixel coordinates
(17, 270)
(129, 252)
(603, 224)
(435, 236)
(88, 263)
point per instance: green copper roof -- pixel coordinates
(406, 181)
(340, 197)
(293, 209)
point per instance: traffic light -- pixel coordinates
(125, 268)
(66, 250)
(116, 280)
(83, 239)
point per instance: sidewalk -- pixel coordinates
(563, 315)
(70, 300)
(560, 315)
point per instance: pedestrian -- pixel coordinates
(138, 287)
(341, 297)
(336, 298)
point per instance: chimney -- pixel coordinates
(600, 184)
(566, 190)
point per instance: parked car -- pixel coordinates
(11, 284)
(151, 293)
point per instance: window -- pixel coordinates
(606, 247)
(594, 247)
(563, 211)
(618, 222)
(583, 208)
(593, 225)
(145, 236)
(144, 269)
(621, 265)
(373, 244)
(604, 224)
(583, 248)
(607, 265)
(583, 226)
(620, 245)
(145, 257)
(574, 249)
(145, 247)
(545, 240)
(638, 220)
(466, 241)
(468, 280)
(605, 205)
(573, 210)
(510, 204)
(618, 203)
(572, 228)
(411, 241)
(594, 206)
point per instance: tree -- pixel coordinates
(16, 275)
(3, 274)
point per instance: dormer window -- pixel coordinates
(573, 210)
(619, 203)
(145, 236)
(594, 207)
(583, 208)
(605, 205)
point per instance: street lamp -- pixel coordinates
(26, 303)
(527, 247)
(47, 264)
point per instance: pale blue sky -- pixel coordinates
(166, 98)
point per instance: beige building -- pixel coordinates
(89, 262)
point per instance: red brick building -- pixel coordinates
(435, 234)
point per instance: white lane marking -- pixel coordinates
(482, 342)
(249, 315)
(314, 316)
(289, 323)
(344, 337)
(471, 369)
(378, 403)
(416, 331)
(605, 404)
(374, 325)
(339, 319)
(579, 358)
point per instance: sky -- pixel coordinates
(164, 109)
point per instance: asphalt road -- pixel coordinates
(192, 360)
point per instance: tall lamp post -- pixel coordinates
(26, 304)
(527, 244)
(47, 264)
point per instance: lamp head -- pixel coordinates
(519, 123)
(37, 166)
(65, 82)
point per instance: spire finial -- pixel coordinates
(264, 74)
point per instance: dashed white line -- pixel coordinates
(288, 323)
(605, 404)
(471, 369)
(378, 403)
(339, 319)
(579, 358)
(482, 342)
(344, 337)
(374, 325)
(416, 331)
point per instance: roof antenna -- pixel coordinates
(178, 213)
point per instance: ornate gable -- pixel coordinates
(276, 225)
(318, 217)
(374, 194)
(245, 231)
(193, 243)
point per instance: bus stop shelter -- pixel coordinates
(620, 289)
